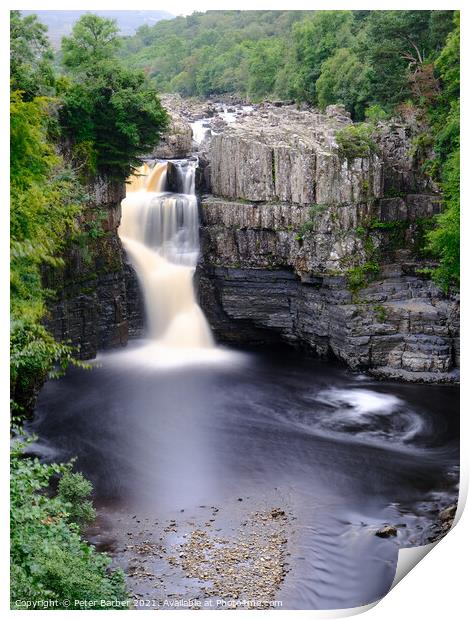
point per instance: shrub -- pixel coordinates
(75, 490)
(49, 559)
(358, 277)
(375, 113)
(380, 313)
(34, 356)
(356, 141)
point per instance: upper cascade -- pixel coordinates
(160, 232)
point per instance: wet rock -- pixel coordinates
(448, 514)
(387, 531)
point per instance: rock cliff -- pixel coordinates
(303, 245)
(98, 304)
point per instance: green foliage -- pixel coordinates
(34, 356)
(30, 57)
(394, 45)
(356, 141)
(110, 114)
(444, 240)
(49, 559)
(314, 41)
(390, 225)
(93, 40)
(422, 144)
(75, 491)
(45, 200)
(358, 277)
(215, 52)
(343, 79)
(380, 313)
(375, 113)
(263, 62)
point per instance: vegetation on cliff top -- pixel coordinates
(358, 58)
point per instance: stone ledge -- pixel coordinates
(397, 374)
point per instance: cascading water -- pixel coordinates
(159, 230)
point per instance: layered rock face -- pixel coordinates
(301, 246)
(289, 157)
(98, 304)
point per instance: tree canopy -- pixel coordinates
(293, 55)
(30, 57)
(93, 39)
(110, 114)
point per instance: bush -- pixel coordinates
(34, 356)
(356, 141)
(375, 113)
(49, 559)
(75, 490)
(358, 277)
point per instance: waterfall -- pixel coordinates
(160, 232)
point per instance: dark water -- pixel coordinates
(346, 453)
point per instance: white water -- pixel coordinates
(201, 128)
(159, 231)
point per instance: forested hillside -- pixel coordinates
(358, 57)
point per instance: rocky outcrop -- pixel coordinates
(97, 304)
(302, 246)
(290, 157)
(258, 281)
(177, 141)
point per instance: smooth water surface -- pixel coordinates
(345, 453)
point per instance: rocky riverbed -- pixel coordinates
(234, 555)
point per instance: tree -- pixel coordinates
(30, 57)
(396, 45)
(109, 115)
(114, 114)
(93, 39)
(314, 41)
(264, 60)
(343, 79)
